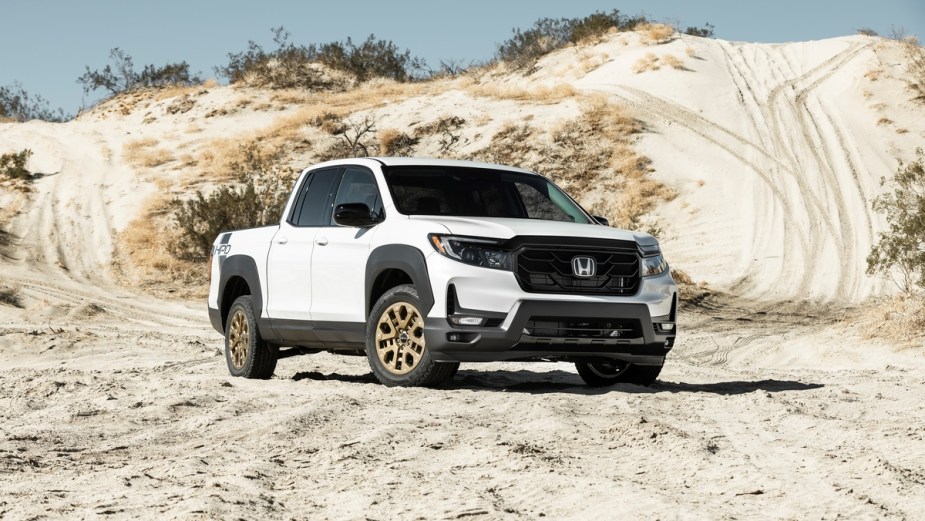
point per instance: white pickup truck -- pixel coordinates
(422, 264)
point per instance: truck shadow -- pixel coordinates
(565, 382)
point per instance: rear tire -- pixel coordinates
(605, 373)
(395, 345)
(246, 353)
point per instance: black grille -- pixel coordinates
(549, 270)
(560, 327)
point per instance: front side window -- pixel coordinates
(359, 186)
(478, 192)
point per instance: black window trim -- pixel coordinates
(340, 180)
(295, 212)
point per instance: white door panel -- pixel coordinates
(339, 274)
(289, 273)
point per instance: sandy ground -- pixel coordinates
(117, 404)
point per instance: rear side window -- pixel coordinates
(314, 204)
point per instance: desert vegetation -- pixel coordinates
(120, 76)
(145, 153)
(16, 104)
(915, 64)
(525, 47)
(309, 66)
(652, 62)
(256, 198)
(900, 252)
(13, 165)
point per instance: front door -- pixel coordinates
(339, 259)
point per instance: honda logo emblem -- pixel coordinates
(584, 267)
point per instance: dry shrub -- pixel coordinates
(221, 159)
(691, 52)
(672, 61)
(375, 93)
(10, 296)
(884, 121)
(656, 33)
(143, 152)
(649, 62)
(512, 145)
(446, 128)
(393, 142)
(915, 66)
(177, 91)
(181, 105)
(873, 74)
(143, 258)
(354, 140)
(538, 95)
(13, 165)
(256, 199)
(899, 319)
(689, 290)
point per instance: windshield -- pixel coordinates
(478, 192)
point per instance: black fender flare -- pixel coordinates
(245, 267)
(405, 258)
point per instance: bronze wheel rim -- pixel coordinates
(400, 338)
(238, 339)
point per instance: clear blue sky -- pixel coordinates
(45, 44)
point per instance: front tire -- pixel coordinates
(395, 344)
(610, 372)
(246, 353)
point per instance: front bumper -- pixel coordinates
(514, 340)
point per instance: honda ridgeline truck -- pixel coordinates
(421, 264)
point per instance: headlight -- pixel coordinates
(472, 250)
(654, 265)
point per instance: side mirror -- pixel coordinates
(603, 221)
(356, 215)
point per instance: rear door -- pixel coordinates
(289, 284)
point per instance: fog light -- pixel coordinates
(665, 327)
(467, 321)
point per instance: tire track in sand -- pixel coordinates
(802, 160)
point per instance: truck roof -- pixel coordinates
(424, 161)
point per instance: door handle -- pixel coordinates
(321, 241)
(282, 240)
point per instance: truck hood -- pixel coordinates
(502, 228)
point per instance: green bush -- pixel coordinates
(121, 75)
(257, 199)
(13, 165)
(900, 251)
(289, 66)
(704, 32)
(285, 68)
(17, 104)
(524, 48)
